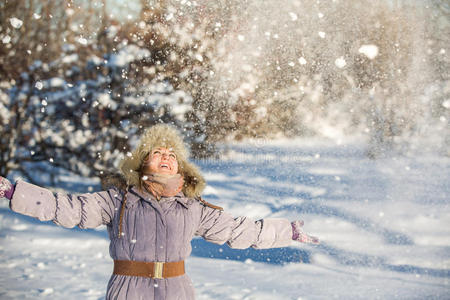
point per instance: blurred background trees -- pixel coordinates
(80, 80)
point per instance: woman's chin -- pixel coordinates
(164, 171)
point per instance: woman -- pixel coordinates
(152, 212)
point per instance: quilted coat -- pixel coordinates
(152, 231)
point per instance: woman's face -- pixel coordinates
(162, 161)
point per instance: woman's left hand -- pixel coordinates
(6, 188)
(299, 236)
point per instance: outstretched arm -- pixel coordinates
(219, 227)
(85, 211)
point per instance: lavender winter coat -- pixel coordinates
(153, 231)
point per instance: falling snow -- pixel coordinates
(16, 23)
(371, 51)
(6, 39)
(340, 62)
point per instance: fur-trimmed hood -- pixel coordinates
(161, 136)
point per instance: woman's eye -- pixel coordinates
(156, 152)
(171, 155)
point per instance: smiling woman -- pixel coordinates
(152, 213)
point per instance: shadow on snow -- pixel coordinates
(201, 248)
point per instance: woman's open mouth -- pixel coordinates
(164, 166)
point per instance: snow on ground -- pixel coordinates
(384, 227)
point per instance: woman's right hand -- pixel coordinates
(6, 188)
(300, 236)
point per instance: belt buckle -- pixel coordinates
(158, 270)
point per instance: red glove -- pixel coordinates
(299, 236)
(6, 188)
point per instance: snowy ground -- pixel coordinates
(384, 227)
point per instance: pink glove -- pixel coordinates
(299, 236)
(6, 188)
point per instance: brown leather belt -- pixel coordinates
(158, 270)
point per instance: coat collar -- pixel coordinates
(135, 194)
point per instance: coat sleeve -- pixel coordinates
(219, 227)
(85, 210)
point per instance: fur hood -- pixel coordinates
(159, 136)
